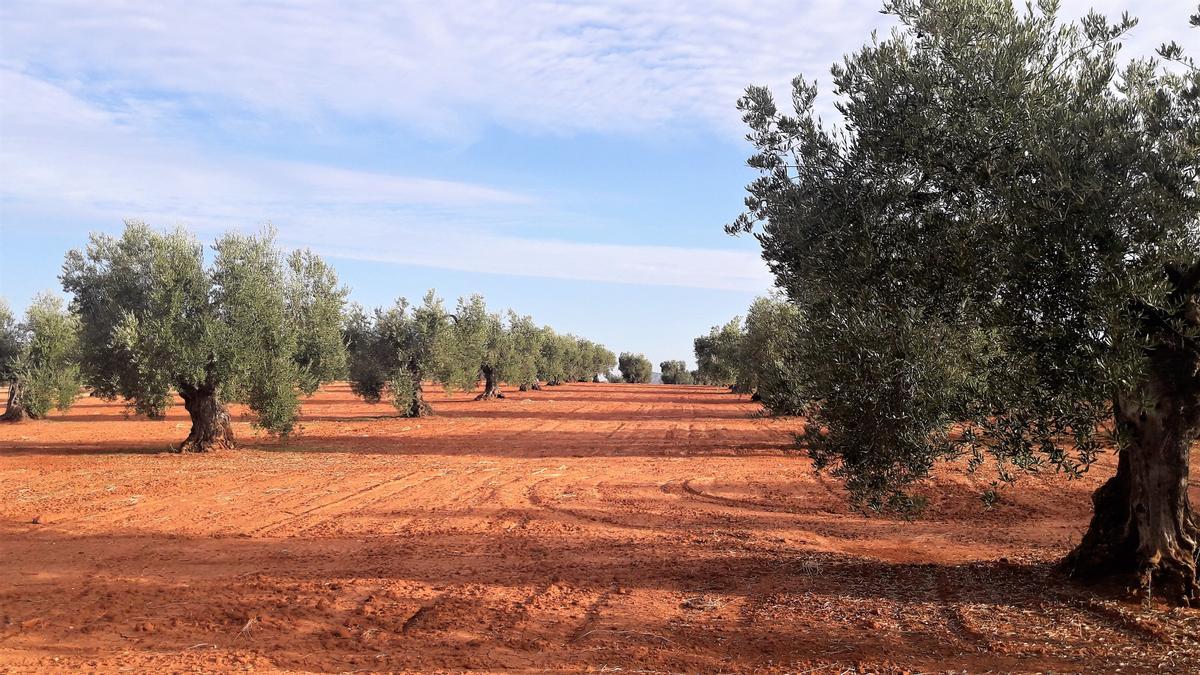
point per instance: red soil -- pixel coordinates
(606, 527)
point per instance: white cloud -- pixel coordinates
(60, 150)
(449, 67)
(58, 146)
(654, 265)
(623, 65)
(100, 102)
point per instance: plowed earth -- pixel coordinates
(617, 528)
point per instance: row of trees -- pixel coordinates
(996, 256)
(151, 317)
(394, 350)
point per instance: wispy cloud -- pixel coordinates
(620, 65)
(654, 265)
(624, 65)
(59, 149)
(57, 145)
(107, 106)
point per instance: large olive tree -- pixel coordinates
(252, 327)
(1003, 239)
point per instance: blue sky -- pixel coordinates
(575, 161)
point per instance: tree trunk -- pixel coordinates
(417, 406)
(15, 410)
(491, 386)
(1143, 527)
(211, 428)
(524, 387)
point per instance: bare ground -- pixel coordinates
(616, 528)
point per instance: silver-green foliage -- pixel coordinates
(770, 360)
(635, 368)
(968, 246)
(394, 351)
(250, 327)
(718, 354)
(40, 356)
(675, 372)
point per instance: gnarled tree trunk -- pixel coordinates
(15, 410)
(211, 428)
(491, 385)
(1143, 526)
(417, 406)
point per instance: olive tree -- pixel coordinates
(759, 356)
(567, 358)
(482, 348)
(998, 255)
(603, 360)
(39, 358)
(594, 360)
(10, 352)
(396, 350)
(635, 368)
(580, 360)
(524, 345)
(718, 354)
(551, 362)
(251, 327)
(769, 362)
(675, 372)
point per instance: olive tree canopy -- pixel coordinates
(675, 372)
(635, 368)
(1003, 239)
(769, 363)
(251, 327)
(718, 354)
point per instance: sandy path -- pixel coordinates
(639, 528)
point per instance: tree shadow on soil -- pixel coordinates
(507, 443)
(432, 594)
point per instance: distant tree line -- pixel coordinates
(392, 351)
